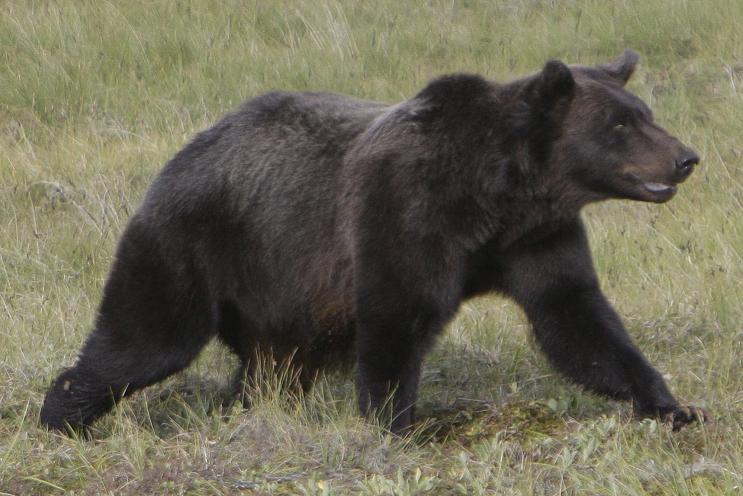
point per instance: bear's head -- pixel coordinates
(607, 144)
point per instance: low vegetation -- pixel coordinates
(94, 98)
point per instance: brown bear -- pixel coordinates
(317, 227)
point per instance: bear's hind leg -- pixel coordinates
(106, 371)
(151, 324)
(234, 332)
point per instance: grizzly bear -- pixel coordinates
(316, 227)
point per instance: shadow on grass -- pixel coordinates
(507, 390)
(185, 403)
(467, 394)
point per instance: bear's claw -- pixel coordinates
(683, 415)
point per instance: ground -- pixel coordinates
(93, 100)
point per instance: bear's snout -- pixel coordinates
(685, 164)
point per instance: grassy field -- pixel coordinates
(96, 96)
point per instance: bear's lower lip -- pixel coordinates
(659, 188)
(650, 191)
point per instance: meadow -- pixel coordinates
(96, 96)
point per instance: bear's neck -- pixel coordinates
(529, 215)
(523, 210)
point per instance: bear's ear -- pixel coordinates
(622, 67)
(554, 83)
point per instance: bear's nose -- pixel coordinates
(686, 161)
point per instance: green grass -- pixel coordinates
(94, 98)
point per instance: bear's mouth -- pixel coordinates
(660, 188)
(652, 191)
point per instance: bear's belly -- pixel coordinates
(331, 342)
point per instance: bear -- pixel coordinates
(322, 229)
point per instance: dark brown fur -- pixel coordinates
(322, 228)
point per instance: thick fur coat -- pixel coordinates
(323, 230)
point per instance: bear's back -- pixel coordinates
(253, 201)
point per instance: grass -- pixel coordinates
(94, 98)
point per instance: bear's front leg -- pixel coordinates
(393, 335)
(400, 310)
(554, 281)
(389, 364)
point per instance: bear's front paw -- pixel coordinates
(679, 416)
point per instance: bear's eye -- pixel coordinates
(620, 120)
